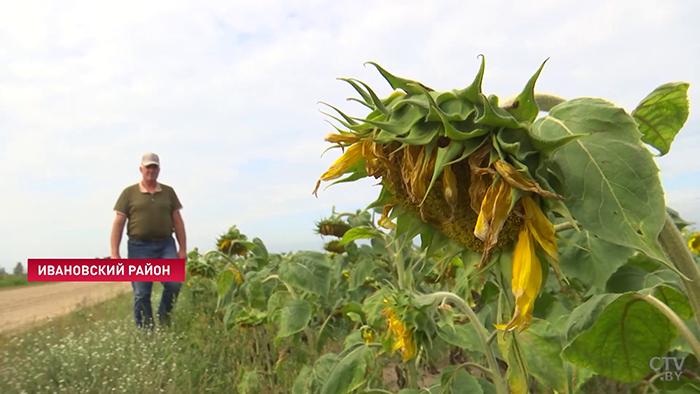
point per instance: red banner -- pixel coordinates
(106, 270)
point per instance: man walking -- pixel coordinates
(153, 213)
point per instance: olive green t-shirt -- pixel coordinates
(150, 216)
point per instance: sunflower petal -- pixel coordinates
(338, 168)
(477, 185)
(347, 138)
(384, 219)
(526, 282)
(540, 227)
(493, 215)
(449, 186)
(483, 220)
(420, 176)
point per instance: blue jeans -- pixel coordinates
(143, 312)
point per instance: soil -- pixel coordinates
(24, 307)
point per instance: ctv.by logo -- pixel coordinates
(668, 374)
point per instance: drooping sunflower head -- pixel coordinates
(402, 337)
(475, 171)
(334, 247)
(332, 226)
(231, 243)
(440, 154)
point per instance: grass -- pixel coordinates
(98, 349)
(10, 281)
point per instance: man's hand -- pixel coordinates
(115, 257)
(182, 254)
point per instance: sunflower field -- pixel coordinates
(516, 246)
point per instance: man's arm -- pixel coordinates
(179, 226)
(117, 231)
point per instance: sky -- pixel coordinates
(227, 92)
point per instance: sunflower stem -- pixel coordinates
(479, 367)
(492, 337)
(677, 250)
(675, 319)
(564, 226)
(412, 376)
(498, 381)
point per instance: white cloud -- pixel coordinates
(227, 93)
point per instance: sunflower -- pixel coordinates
(367, 334)
(694, 243)
(474, 171)
(402, 337)
(231, 243)
(332, 226)
(334, 247)
(236, 274)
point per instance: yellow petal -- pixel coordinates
(493, 215)
(449, 186)
(224, 244)
(526, 282)
(501, 210)
(485, 213)
(540, 227)
(694, 243)
(344, 138)
(398, 344)
(517, 180)
(478, 185)
(418, 186)
(409, 349)
(350, 157)
(367, 336)
(372, 153)
(427, 174)
(384, 219)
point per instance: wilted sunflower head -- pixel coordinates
(332, 226)
(475, 171)
(231, 243)
(441, 155)
(334, 246)
(402, 338)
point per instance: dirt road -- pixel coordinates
(25, 306)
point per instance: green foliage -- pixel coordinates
(380, 301)
(662, 114)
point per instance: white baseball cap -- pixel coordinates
(150, 158)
